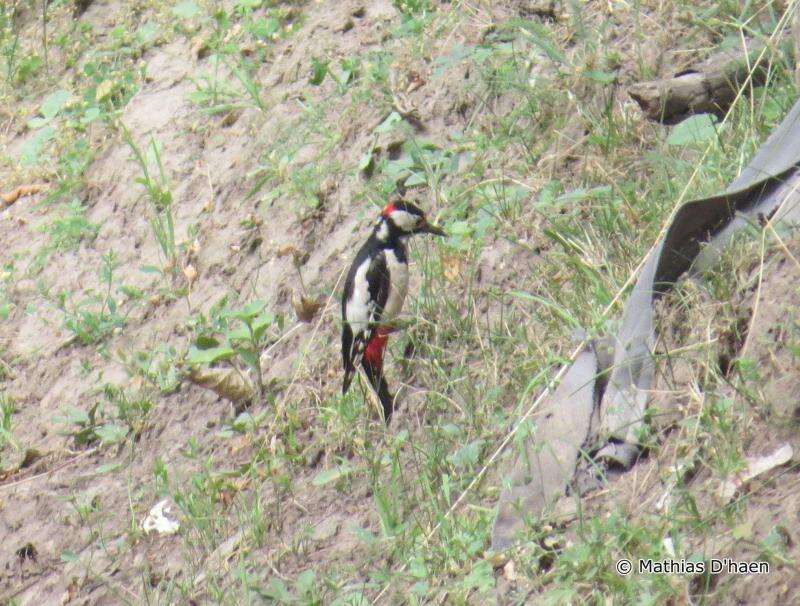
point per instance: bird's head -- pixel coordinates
(408, 219)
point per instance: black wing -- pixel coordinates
(353, 344)
(378, 279)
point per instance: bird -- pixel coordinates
(374, 292)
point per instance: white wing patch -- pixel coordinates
(359, 307)
(361, 310)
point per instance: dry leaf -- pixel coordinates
(415, 81)
(305, 308)
(31, 456)
(103, 90)
(157, 519)
(228, 383)
(200, 47)
(755, 467)
(451, 267)
(509, 572)
(70, 592)
(20, 192)
(190, 273)
(285, 251)
(299, 257)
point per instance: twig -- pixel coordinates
(49, 471)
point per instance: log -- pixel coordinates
(708, 87)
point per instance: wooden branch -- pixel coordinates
(709, 86)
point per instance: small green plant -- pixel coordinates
(412, 8)
(7, 410)
(238, 337)
(131, 410)
(116, 417)
(162, 221)
(158, 367)
(72, 228)
(81, 425)
(304, 590)
(98, 315)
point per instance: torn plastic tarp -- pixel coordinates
(617, 391)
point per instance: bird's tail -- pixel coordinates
(348, 378)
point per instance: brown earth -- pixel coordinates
(50, 554)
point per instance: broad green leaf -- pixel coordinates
(261, 324)
(250, 357)
(481, 577)
(366, 160)
(694, 130)
(37, 122)
(460, 228)
(248, 312)
(319, 69)
(265, 28)
(391, 121)
(277, 591)
(90, 115)
(467, 456)
(186, 9)
(306, 582)
(147, 33)
(150, 269)
(416, 179)
(209, 356)
(244, 422)
(240, 333)
(53, 103)
(111, 433)
(331, 475)
(206, 342)
(76, 416)
(29, 154)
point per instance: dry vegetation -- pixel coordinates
(204, 164)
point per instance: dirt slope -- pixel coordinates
(278, 130)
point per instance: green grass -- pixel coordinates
(552, 189)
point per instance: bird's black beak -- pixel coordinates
(427, 228)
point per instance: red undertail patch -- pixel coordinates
(373, 353)
(388, 209)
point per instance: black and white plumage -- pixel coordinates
(374, 292)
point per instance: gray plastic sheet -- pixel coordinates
(595, 403)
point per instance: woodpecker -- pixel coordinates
(374, 292)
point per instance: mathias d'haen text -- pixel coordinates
(713, 566)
